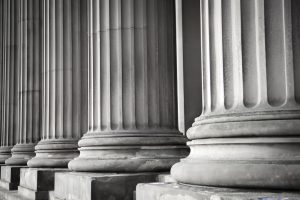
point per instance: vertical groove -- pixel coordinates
(128, 65)
(10, 77)
(1, 64)
(140, 65)
(22, 51)
(25, 66)
(116, 64)
(28, 93)
(232, 58)
(153, 87)
(51, 69)
(13, 113)
(36, 76)
(95, 62)
(105, 65)
(250, 65)
(3, 71)
(75, 81)
(67, 69)
(205, 42)
(288, 51)
(6, 74)
(216, 55)
(171, 62)
(90, 6)
(82, 60)
(162, 61)
(47, 62)
(275, 52)
(59, 69)
(296, 47)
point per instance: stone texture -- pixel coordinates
(35, 183)
(64, 98)
(29, 87)
(10, 177)
(173, 191)
(248, 132)
(90, 186)
(132, 107)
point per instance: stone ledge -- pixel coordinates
(88, 186)
(174, 191)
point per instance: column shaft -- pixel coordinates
(63, 101)
(132, 109)
(9, 113)
(29, 67)
(248, 133)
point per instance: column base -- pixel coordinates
(88, 186)
(10, 177)
(36, 183)
(174, 191)
(55, 153)
(271, 163)
(5, 153)
(140, 151)
(21, 153)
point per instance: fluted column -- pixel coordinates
(9, 78)
(29, 83)
(248, 133)
(63, 101)
(132, 109)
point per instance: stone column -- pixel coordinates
(63, 99)
(9, 79)
(248, 133)
(132, 107)
(29, 83)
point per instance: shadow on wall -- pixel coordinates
(191, 61)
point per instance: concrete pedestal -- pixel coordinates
(88, 186)
(35, 183)
(10, 177)
(174, 191)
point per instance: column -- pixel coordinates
(132, 105)
(248, 132)
(29, 83)
(9, 78)
(64, 91)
